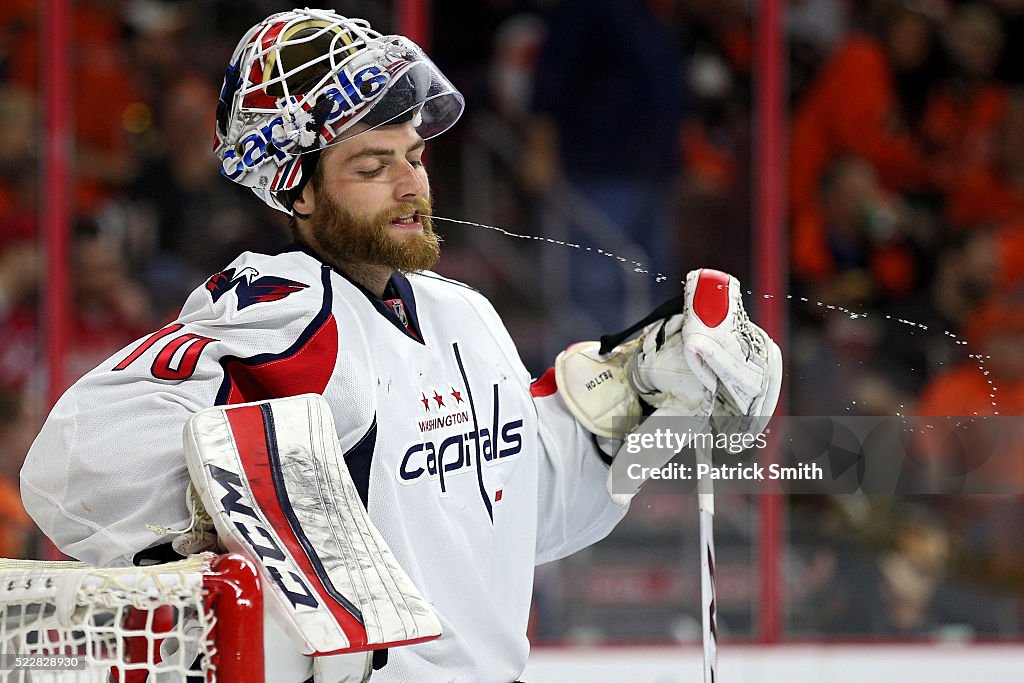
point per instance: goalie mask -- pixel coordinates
(302, 80)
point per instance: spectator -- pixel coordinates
(106, 102)
(489, 30)
(960, 124)
(904, 581)
(991, 190)
(867, 101)
(20, 268)
(813, 29)
(185, 225)
(17, 156)
(817, 590)
(109, 309)
(852, 242)
(964, 272)
(989, 386)
(517, 43)
(161, 45)
(901, 557)
(611, 73)
(19, 47)
(996, 333)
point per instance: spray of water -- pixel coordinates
(660, 277)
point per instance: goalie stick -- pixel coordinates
(709, 610)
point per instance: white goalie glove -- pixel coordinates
(736, 361)
(708, 359)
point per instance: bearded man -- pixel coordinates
(469, 473)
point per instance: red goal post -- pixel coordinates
(68, 621)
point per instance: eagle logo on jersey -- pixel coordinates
(250, 287)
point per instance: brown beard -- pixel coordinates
(345, 238)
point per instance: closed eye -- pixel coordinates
(373, 173)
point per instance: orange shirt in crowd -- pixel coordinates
(982, 196)
(990, 451)
(965, 390)
(964, 128)
(850, 108)
(993, 329)
(1010, 241)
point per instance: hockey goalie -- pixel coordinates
(360, 426)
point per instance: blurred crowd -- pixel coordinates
(906, 197)
(905, 222)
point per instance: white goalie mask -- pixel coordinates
(300, 81)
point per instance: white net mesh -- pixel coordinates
(67, 621)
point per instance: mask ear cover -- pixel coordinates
(309, 160)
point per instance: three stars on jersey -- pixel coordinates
(439, 399)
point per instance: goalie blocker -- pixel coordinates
(273, 478)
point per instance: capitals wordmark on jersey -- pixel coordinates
(453, 442)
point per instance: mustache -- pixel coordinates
(424, 206)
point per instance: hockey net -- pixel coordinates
(199, 619)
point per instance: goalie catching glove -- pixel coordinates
(736, 361)
(698, 355)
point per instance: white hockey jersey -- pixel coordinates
(472, 475)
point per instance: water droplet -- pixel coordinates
(640, 269)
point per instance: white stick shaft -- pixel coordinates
(709, 613)
(706, 501)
